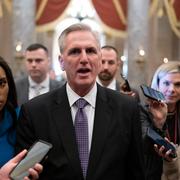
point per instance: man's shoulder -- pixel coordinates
(51, 96)
(21, 80)
(114, 95)
(55, 83)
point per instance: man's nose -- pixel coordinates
(105, 65)
(33, 63)
(84, 56)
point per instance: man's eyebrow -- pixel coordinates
(75, 49)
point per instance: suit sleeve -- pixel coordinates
(135, 156)
(25, 134)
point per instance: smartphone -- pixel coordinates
(160, 141)
(35, 154)
(126, 87)
(152, 93)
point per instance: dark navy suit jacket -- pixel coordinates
(116, 149)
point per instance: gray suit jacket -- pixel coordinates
(22, 88)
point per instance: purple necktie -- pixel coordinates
(81, 129)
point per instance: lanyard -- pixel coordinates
(173, 139)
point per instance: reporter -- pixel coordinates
(8, 167)
(9, 112)
(166, 80)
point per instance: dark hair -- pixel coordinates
(11, 103)
(109, 48)
(36, 46)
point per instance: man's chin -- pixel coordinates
(105, 78)
(34, 75)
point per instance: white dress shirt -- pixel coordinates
(36, 89)
(89, 109)
(112, 85)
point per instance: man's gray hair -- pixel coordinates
(73, 28)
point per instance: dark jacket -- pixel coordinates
(22, 88)
(116, 150)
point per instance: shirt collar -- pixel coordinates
(90, 97)
(112, 85)
(44, 83)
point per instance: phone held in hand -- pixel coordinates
(160, 141)
(35, 154)
(125, 87)
(152, 93)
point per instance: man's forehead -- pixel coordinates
(36, 52)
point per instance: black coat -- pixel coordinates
(116, 150)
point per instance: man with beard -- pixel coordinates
(38, 82)
(110, 65)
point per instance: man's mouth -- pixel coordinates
(83, 70)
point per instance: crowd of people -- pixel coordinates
(96, 128)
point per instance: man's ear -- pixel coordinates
(61, 61)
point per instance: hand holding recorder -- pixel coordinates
(156, 105)
(9, 166)
(34, 155)
(162, 146)
(152, 93)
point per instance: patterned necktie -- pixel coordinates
(81, 129)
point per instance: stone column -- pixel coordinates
(23, 30)
(137, 39)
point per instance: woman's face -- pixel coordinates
(4, 88)
(169, 85)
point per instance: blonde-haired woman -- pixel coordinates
(167, 80)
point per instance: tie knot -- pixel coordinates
(81, 103)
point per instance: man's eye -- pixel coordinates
(38, 60)
(74, 51)
(29, 60)
(103, 62)
(111, 62)
(91, 50)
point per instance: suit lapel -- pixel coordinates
(25, 92)
(64, 125)
(101, 123)
(118, 85)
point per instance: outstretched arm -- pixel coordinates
(9, 166)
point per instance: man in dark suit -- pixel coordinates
(38, 81)
(111, 64)
(110, 123)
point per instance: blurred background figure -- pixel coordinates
(38, 80)
(111, 64)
